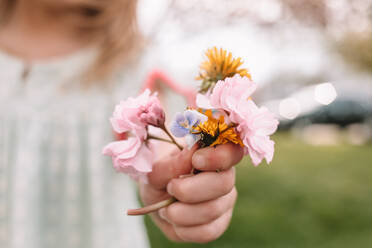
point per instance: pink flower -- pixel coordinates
(153, 114)
(254, 124)
(131, 157)
(231, 92)
(135, 114)
(227, 94)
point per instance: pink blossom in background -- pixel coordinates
(157, 76)
(254, 124)
(131, 157)
(135, 114)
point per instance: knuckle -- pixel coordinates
(239, 151)
(217, 158)
(207, 234)
(221, 160)
(180, 190)
(213, 210)
(227, 182)
(173, 213)
(232, 154)
(234, 194)
(183, 234)
(210, 157)
(173, 236)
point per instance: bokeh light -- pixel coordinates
(289, 108)
(325, 93)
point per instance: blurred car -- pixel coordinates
(323, 104)
(342, 112)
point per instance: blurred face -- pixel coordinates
(64, 2)
(64, 7)
(56, 4)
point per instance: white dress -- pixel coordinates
(56, 188)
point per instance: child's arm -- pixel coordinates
(206, 200)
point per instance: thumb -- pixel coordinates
(170, 167)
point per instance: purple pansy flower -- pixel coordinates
(184, 125)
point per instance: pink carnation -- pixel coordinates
(135, 114)
(227, 94)
(131, 157)
(254, 124)
(231, 92)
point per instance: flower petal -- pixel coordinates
(119, 147)
(176, 127)
(191, 140)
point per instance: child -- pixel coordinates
(63, 66)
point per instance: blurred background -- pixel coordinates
(313, 62)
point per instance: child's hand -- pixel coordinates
(206, 200)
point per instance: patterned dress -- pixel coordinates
(56, 189)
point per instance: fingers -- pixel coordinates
(204, 233)
(181, 214)
(202, 187)
(205, 200)
(150, 195)
(167, 228)
(172, 166)
(221, 157)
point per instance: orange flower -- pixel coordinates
(218, 66)
(215, 131)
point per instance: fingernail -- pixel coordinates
(161, 213)
(170, 188)
(199, 161)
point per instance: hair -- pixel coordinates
(112, 25)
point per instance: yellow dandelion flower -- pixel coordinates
(218, 66)
(215, 131)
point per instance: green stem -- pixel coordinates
(171, 137)
(158, 138)
(151, 208)
(156, 206)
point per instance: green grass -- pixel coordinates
(308, 197)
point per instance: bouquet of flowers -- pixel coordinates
(225, 112)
